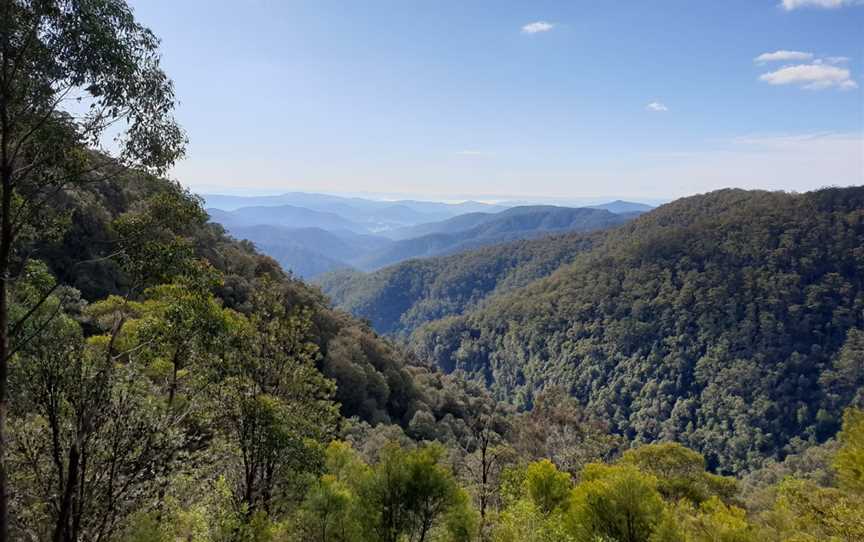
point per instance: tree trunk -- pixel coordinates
(62, 531)
(5, 251)
(484, 475)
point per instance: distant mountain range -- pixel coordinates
(366, 215)
(484, 229)
(286, 216)
(309, 252)
(313, 234)
(619, 206)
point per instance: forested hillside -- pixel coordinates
(728, 322)
(459, 234)
(157, 345)
(308, 252)
(399, 298)
(374, 380)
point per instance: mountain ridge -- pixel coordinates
(509, 225)
(332, 242)
(399, 298)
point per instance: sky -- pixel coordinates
(540, 99)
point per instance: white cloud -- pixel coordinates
(656, 106)
(472, 152)
(538, 26)
(782, 55)
(811, 76)
(789, 5)
(837, 59)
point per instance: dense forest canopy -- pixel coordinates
(725, 321)
(398, 299)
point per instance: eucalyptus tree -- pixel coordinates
(92, 442)
(73, 74)
(274, 401)
(486, 452)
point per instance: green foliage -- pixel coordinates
(714, 521)
(680, 472)
(524, 522)
(558, 428)
(547, 487)
(809, 512)
(154, 248)
(709, 321)
(616, 503)
(275, 401)
(400, 298)
(408, 493)
(849, 461)
(512, 484)
(93, 437)
(329, 508)
(842, 381)
(461, 522)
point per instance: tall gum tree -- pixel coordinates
(74, 74)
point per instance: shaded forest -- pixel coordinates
(398, 299)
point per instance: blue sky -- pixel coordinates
(516, 98)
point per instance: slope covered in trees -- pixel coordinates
(517, 223)
(308, 252)
(185, 348)
(398, 299)
(375, 381)
(726, 321)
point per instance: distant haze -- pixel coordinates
(491, 199)
(311, 234)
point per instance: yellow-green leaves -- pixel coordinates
(680, 472)
(849, 462)
(809, 512)
(714, 521)
(615, 502)
(547, 487)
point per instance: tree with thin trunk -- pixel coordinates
(486, 455)
(274, 401)
(73, 74)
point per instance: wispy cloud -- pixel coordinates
(816, 76)
(536, 27)
(807, 70)
(797, 141)
(782, 55)
(789, 5)
(472, 152)
(657, 106)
